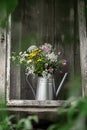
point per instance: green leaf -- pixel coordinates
(34, 118)
(26, 123)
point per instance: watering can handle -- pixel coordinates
(30, 86)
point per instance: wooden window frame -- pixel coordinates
(83, 57)
(19, 102)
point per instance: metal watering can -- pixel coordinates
(46, 88)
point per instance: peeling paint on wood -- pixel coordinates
(46, 103)
(2, 62)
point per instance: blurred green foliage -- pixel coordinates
(22, 124)
(6, 8)
(73, 115)
(10, 122)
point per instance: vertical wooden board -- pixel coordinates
(77, 67)
(64, 29)
(15, 41)
(23, 28)
(64, 37)
(2, 62)
(86, 14)
(48, 21)
(38, 27)
(15, 80)
(40, 20)
(83, 45)
(85, 73)
(30, 34)
(30, 23)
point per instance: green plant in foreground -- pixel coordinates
(75, 112)
(6, 120)
(26, 123)
(6, 123)
(23, 124)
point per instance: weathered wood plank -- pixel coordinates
(49, 114)
(12, 82)
(31, 110)
(64, 39)
(83, 45)
(2, 62)
(8, 59)
(46, 103)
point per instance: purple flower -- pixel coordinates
(46, 47)
(47, 50)
(64, 63)
(51, 70)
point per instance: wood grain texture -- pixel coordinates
(83, 44)
(46, 103)
(2, 62)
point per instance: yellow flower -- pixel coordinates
(37, 50)
(34, 53)
(39, 60)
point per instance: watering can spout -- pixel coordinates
(61, 84)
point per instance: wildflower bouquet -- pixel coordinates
(42, 60)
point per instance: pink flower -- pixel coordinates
(46, 47)
(64, 63)
(47, 50)
(59, 53)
